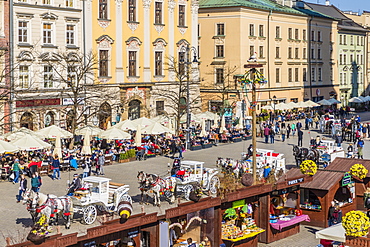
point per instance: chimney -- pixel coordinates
(327, 3)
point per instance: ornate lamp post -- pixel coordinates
(251, 80)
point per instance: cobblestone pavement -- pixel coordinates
(15, 220)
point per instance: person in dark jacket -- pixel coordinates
(331, 214)
(300, 137)
(338, 140)
(22, 187)
(75, 185)
(36, 182)
(55, 164)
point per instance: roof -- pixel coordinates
(314, 13)
(256, 4)
(292, 173)
(344, 164)
(323, 180)
(93, 179)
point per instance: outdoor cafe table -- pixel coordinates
(279, 225)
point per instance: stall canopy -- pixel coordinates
(334, 101)
(355, 100)
(282, 106)
(292, 104)
(310, 103)
(125, 125)
(7, 147)
(143, 122)
(301, 104)
(15, 135)
(161, 119)
(156, 129)
(92, 130)
(30, 143)
(206, 115)
(54, 131)
(115, 134)
(324, 102)
(267, 107)
(335, 233)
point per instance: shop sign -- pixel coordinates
(295, 181)
(346, 180)
(133, 233)
(69, 101)
(37, 102)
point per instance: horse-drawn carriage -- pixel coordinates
(99, 194)
(329, 151)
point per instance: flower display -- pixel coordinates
(308, 167)
(356, 224)
(41, 227)
(358, 171)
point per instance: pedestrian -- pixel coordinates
(299, 125)
(306, 123)
(22, 187)
(350, 151)
(337, 215)
(283, 133)
(16, 168)
(338, 140)
(266, 170)
(364, 130)
(266, 132)
(316, 120)
(312, 142)
(272, 135)
(173, 148)
(300, 137)
(101, 161)
(331, 214)
(86, 167)
(288, 130)
(293, 126)
(190, 243)
(360, 147)
(179, 148)
(36, 182)
(56, 167)
(75, 185)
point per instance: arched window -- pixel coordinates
(134, 110)
(104, 115)
(27, 120)
(49, 119)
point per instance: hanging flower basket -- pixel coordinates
(358, 171)
(356, 224)
(308, 167)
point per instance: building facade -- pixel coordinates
(140, 46)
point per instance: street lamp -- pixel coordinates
(253, 79)
(185, 60)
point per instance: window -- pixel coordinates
(304, 53)
(181, 15)
(71, 70)
(312, 35)
(103, 63)
(251, 50)
(132, 63)
(290, 30)
(103, 9)
(47, 33)
(220, 29)
(22, 32)
(260, 31)
(358, 40)
(277, 75)
(70, 35)
(351, 40)
(158, 13)
(318, 36)
(319, 53)
(304, 74)
(46, 2)
(219, 51)
(159, 107)
(345, 78)
(319, 74)
(158, 63)
(304, 34)
(313, 74)
(340, 39)
(24, 77)
(277, 52)
(340, 59)
(251, 30)
(219, 76)
(181, 63)
(351, 58)
(344, 59)
(296, 53)
(69, 3)
(344, 39)
(261, 52)
(132, 10)
(290, 75)
(48, 76)
(313, 53)
(296, 35)
(290, 52)
(277, 35)
(296, 74)
(341, 78)
(358, 59)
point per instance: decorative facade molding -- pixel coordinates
(25, 56)
(103, 23)
(118, 2)
(132, 79)
(160, 44)
(104, 41)
(49, 16)
(49, 56)
(182, 30)
(133, 26)
(133, 43)
(146, 4)
(194, 7)
(159, 28)
(171, 6)
(182, 42)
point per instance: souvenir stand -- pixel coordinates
(316, 196)
(241, 216)
(282, 216)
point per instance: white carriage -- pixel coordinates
(99, 194)
(192, 174)
(329, 151)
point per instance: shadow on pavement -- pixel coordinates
(311, 229)
(26, 222)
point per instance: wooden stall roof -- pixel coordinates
(344, 164)
(323, 180)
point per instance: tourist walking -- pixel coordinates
(350, 151)
(56, 167)
(22, 187)
(283, 133)
(266, 132)
(293, 127)
(36, 182)
(288, 130)
(272, 135)
(16, 169)
(101, 161)
(300, 137)
(360, 147)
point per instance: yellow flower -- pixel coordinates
(308, 167)
(356, 224)
(358, 170)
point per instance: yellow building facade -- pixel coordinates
(135, 42)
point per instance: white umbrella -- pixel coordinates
(215, 121)
(292, 104)
(310, 103)
(30, 143)
(155, 129)
(203, 132)
(125, 125)
(282, 106)
(58, 147)
(362, 98)
(301, 104)
(14, 135)
(334, 101)
(335, 233)
(114, 134)
(206, 115)
(223, 124)
(54, 131)
(355, 100)
(91, 130)
(193, 118)
(7, 147)
(143, 122)
(86, 149)
(367, 98)
(161, 119)
(268, 107)
(324, 102)
(138, 136)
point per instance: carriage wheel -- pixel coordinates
(126, 198)
(89, 214)
(213, 186)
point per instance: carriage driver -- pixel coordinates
(75, 185)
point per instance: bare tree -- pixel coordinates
(175, 91)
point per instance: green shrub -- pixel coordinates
(123, 156)
(131, 153)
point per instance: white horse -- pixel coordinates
(49, 205)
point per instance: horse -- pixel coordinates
(300, 154)
(158, 186)
(144, 186)
(49, 205)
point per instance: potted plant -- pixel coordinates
(123, 157)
